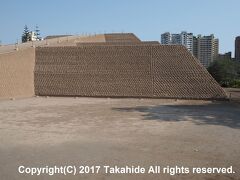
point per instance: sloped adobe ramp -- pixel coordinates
(155, 71)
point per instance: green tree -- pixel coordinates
(25, 35)
(226, 72)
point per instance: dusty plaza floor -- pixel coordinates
(41, 131)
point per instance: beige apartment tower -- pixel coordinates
(205, 49)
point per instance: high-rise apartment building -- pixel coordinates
(204, 48)
(195, 46)
(183, 38)
(237, 48)
(187, 40)
(176, 39)
(166, 38)
(207, 49)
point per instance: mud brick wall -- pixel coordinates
(93, 71)
(16, 74)
(178, 74)
(93, 38)
(155, 71)
(121, 37)
(117, 43)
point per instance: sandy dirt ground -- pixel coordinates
(41, 131)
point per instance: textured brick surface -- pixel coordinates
(123, 71)
(16, 73)
(117, 43)
(91, 71)
(178, 74)
(121, 37)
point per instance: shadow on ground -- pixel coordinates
(216, 113)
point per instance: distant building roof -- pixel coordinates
(56, 36)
